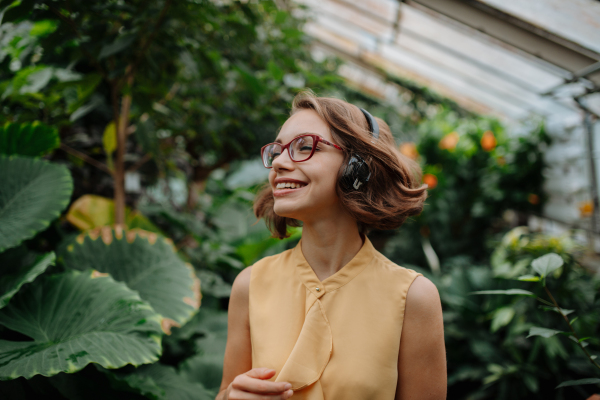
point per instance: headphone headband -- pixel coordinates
(373, 126)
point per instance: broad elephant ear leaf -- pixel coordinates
(33, 193)
(32, 139)
(146, 262)
(16, 272)
(75, 319)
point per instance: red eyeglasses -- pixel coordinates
(300, 149)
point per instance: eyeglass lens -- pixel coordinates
(299, 149)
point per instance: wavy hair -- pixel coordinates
(394, 191)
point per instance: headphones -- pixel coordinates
(357, 171)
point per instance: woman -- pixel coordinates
(333, 318)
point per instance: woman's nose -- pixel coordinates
(283, 160)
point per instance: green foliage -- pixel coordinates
(212, 80)
(161, 382)
(54, 322)
(544, 266)
(31, 139)
(478, 172)
(75, 319)
(505, 347)
(23, 212)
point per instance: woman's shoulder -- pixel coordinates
(385, 266)
(273, 261)
(264, 265)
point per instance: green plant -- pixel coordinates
(488, 352)
(547, 266)
(108, 301)
(476, 171)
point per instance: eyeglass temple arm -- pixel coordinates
(329, 143)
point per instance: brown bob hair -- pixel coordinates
(394, 191)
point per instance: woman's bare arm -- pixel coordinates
(238, 352)
(422, 373)
(239, 379)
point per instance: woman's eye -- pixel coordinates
(306, 148)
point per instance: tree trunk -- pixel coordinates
(121, 125)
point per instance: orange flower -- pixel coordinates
(409, 149)
(533, 198)
(488, 141)
(449, 141)
(431, 180)
(586, 208)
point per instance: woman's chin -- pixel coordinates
(286, 212)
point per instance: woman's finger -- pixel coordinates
(241, 395)
(261, 373)
(246, 383)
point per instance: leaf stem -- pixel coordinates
(571, 327)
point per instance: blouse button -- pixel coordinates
(318, 289)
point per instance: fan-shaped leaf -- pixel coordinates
(28, 139)
(146, 262)
(75, 319)
(32, 193)
(14, 274)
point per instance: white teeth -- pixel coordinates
(291, 185)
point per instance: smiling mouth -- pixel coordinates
(280, 191)
(290, 185)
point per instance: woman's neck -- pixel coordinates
(329, 244)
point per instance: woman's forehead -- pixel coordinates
(302, 122)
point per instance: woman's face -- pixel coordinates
(318, 198)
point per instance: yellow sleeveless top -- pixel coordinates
(337, 339)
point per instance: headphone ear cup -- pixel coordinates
(355, 174)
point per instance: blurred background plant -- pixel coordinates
(133, 130)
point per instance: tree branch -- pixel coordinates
(86, 158)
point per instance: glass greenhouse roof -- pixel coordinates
(509, 58)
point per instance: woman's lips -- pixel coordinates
(286, 191)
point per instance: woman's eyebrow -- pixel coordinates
(300, 134)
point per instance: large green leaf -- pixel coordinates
(146, 262)
(18, 271)
(28, 139)
(75, 319)
(547, 263)
(32, 193)
(158, 381)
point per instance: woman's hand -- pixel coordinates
(252, 385)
